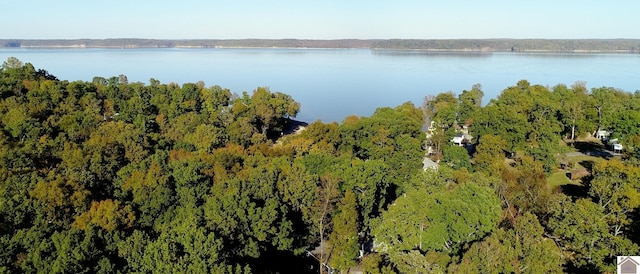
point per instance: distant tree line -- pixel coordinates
(488, 45)
(514, 45)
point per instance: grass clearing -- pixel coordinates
(575, 162)
(559, 179)
(584, 161)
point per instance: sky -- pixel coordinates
(328, 19)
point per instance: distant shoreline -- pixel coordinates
(429, 45)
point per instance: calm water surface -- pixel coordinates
(334, 83)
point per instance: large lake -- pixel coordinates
(334, 83)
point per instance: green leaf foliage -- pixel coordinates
(443, 221)
(112, 176)
(457, 157)
(520, 249)
(584, 232)
(344, 237)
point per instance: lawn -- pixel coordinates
(575, 162)
(559, 179)
(585, 161)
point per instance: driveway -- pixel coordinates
(597, 153)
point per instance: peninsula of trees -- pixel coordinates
(481, 45)
(110, 176)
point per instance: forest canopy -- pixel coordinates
(109, 176)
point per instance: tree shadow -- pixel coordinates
(587, 145)
(634, 228)
(593, 148)
(587, 164)
(278, 261)
(578, 191)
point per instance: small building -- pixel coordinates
(457, 140)
(628, 266)
(461, 139)
(617, 148)
(430, 130)
(430, 150)
(602, 134)
(428, 164)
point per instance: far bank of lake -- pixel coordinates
(334, 83)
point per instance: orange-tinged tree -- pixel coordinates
(107, 214)
(60, 198)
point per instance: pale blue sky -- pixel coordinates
(329, 19)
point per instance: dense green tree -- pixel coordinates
(545, 153)
(525, 189)
(74, 250)
(457, 157)
(206, 137)
(583, 231)
(323, 137)
(490, 154)
(149, 187)
(187, 172)
(443, 221)
(576, 111)
(248, 213)
(269, 110)
(608, 102)
(215, 104)
(183, 245)
(442, 109)
(521, 249)
(13, 72)
(392, 135)
(415, 262)
(521, 114)
(615, 189)
(240, 131)
(344, 237)
(627, 127)
(369, 182)
(470, 103)
(542, 116)
(18, 123)
(504, 121)
(297, 187)
(323, 208)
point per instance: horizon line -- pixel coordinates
(317, 39)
